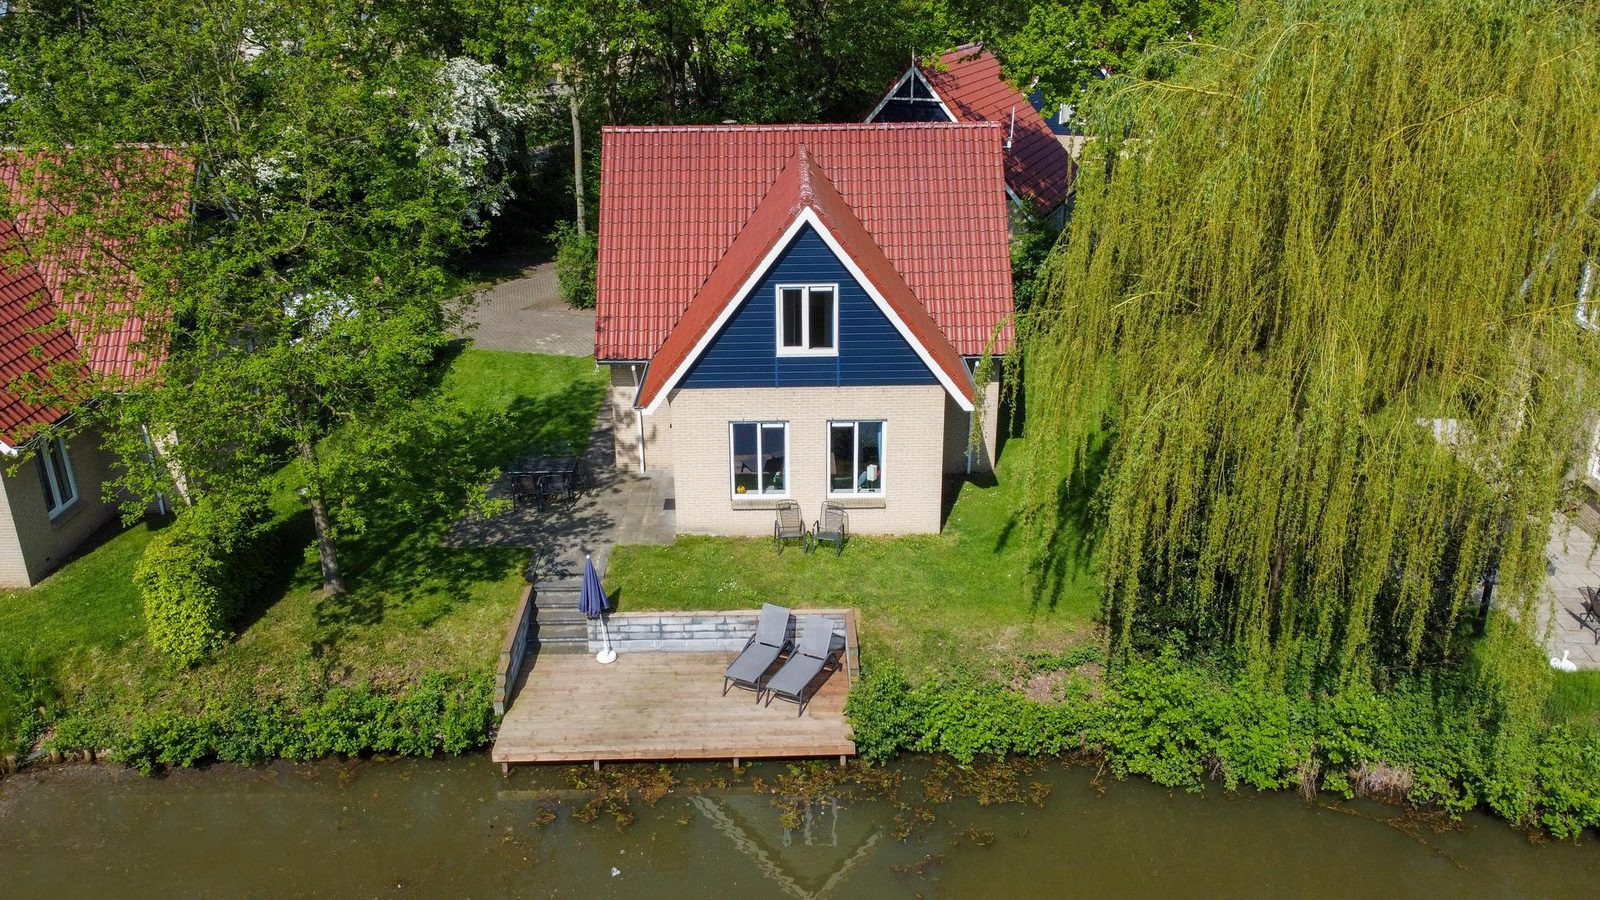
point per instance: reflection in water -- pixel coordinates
(784, 868)
(454, 827)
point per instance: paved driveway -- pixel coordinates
(527, 314)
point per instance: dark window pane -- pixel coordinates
(870, 456)
(841, 457)
(791, 317)
(821, 320)
(61, 465)
(50, 500)
(772, 458)
(746, 461)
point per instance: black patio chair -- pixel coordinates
(524, 488)
(556, 486)
(790, 523)
(832, 527)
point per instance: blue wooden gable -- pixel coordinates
(871, 350)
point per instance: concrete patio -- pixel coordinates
(525, 313)
(615, 507)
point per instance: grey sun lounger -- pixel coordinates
(760, 652)
(814, 654)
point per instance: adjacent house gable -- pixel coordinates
(33, 343)
(46, 327)
(688, 214)
(967, 85)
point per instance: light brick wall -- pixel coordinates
(31, 544)
(912, 464)
(625, 425)
(958, 427)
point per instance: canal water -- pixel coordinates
(456, 828)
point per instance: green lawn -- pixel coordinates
(926, 601)
(413, 604)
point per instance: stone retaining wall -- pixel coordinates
(703, 632)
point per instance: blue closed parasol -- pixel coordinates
(592, 602)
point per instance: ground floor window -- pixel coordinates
(55, 475)
(1594, 456)
(760, 457)
(855, 457)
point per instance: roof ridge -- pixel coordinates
(796, 126)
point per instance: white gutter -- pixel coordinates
(638, 415)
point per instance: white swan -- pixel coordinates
(1564, 664)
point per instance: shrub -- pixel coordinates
(448, 712)
(577, 259)
(195, 575)
(28, 700)
(1181, 723)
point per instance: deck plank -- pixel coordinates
(660, 706)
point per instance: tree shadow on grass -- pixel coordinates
(285, 543)
(399, 566)
(1068, 543)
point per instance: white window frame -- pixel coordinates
(855, 460)
(1587, 315)
(64, 499)
(1594, 455)
(805, 348)
(733, 462)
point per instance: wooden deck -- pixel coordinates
(660, 706)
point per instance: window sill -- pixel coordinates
(854, 502)
(768, 501)
(62, 515)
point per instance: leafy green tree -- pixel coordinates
(1068, 45)
(337, 164)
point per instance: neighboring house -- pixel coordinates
(795, 312)
(966, 85)
(54, 500)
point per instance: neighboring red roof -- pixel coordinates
(674, 201)
(112, 340)
(32, 342)
(969, 81)
(800, 186)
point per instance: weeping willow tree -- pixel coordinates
(1314, 335)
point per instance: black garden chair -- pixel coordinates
(832, 527)
(790, 523)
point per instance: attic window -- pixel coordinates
(808, 320)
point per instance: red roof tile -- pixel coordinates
(800, 186)
(969, 81)
(112, 339)
(674, 200)
(111, 342)
(33, 345)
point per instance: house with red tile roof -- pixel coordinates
(967, 85)
(795, 313)
(54, 500)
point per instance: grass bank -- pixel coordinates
(931, 603)
(415, 607)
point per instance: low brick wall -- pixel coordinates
(704, 632)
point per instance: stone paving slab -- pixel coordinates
(616, 508)
(526, 314)
(1572, 566)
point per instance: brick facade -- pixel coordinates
(913, 455)
(32, 544)
(688, 436)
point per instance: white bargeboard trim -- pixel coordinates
(808, 216)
